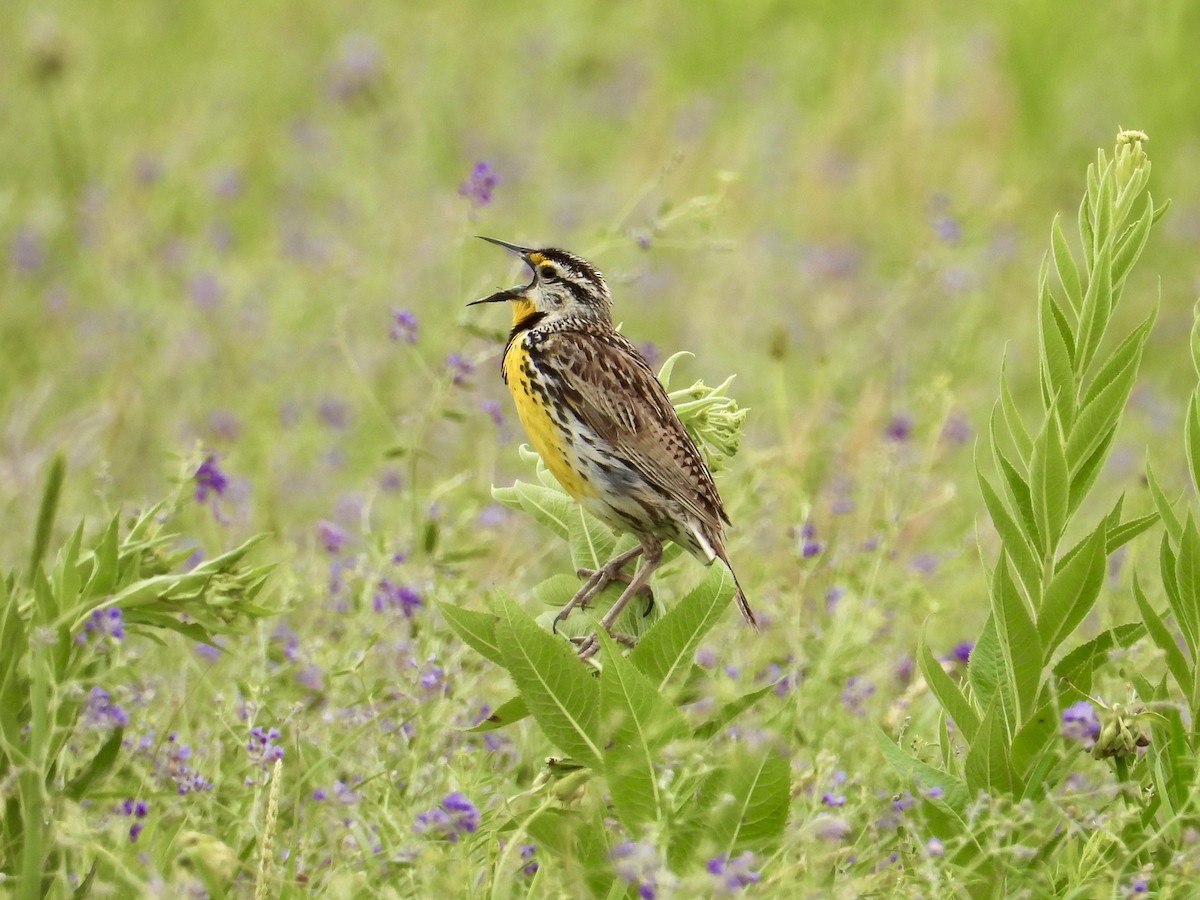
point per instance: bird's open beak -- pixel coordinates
(514, 293)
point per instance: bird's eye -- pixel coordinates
(547, 271)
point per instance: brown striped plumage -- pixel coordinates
(603, 423)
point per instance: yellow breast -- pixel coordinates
(544, 433)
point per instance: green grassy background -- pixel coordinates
(210, 211)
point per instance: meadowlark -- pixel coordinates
(603, 425)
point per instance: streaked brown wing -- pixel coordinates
(616, 394)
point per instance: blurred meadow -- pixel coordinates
(237, 247)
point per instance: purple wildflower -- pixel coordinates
(637, 863)
(831, 799)
(209, 479)
(450, 819)
(899, 428)
(956, 429)
(947, 229)
(226, 182)
(104, 623)
(262, 747)
(650, 352)
(1139, 885)
(831, 828)
(1081, 723)
(147, 169)
(478, 186)
(934, 847)
(27, 251)
(461, 368)
(134, 830)
(205, 290)
(177, 767)
(530, 864)
(432, 676)
(962, 652)
(101, 712)
(331, 535)
(404, 326)
(495, 413)
(333, 412)
(733, 874)
(855, 693)
(390, 595)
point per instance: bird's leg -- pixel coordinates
(625, 578)
(653, 556)
(597, 581)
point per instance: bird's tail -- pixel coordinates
(740, 596)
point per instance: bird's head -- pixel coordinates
(563, 286)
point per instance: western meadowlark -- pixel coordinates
(604, 426)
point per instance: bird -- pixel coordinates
(604, 426)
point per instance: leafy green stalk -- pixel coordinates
(44, 665)
(1050, 567)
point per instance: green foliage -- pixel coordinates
(1023, 672)
(47, 663)
(624, 732)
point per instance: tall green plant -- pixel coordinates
(1050, 568)
(44, 668)
(672, 779)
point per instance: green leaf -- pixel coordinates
(1064, 263)
(1166, 509)
(99, 767)
(1086, 234)
(1109, 392)
(1125, 532)
(508, 712)
(1195, 338)
(102, 577)
(1048, 484)
(477, 630)
(751, 808)
(636, 721)
(1096, 310)
(1012, 419)
(1164, 640)
(592, 542)
(730, 710)
(948, 694)
(1058, 377)
(1019, 639)
(1030, 739)
(1187, 584)
(557, 688)
(1016, 489)
(1024, 561)
(549, 507)
(1077, 667)
(669, 646)
(954, 790)
(1071, 593)
(987, 672)
(1192, 439)
(46, 513)
(1131, 244)
(556, 590)
(1088, 471)
(580, 847)
(987, 766)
